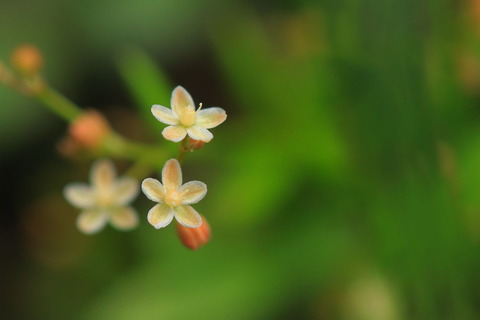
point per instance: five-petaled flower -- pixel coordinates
(105, 200)
(183, 119)
(173, 198)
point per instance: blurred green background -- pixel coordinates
(345, 183)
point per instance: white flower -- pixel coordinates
(105, 200)
(173, 198)
(183, 119)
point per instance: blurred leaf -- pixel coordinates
(147, 84)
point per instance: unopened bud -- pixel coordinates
(196, 144)
(194, 238)
(68, 147)
(27, 59)
(89, 129)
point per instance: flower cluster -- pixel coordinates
(108, 198)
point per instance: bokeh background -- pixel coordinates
(345, 183)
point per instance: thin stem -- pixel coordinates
(183, 149)
(59, 104)
(116, 145)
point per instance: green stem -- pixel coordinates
(183, 149)
(59, 104)
(116, 145)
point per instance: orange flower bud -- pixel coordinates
(196, 144)
(89, 129)
(194, 238)
(68, 147)
(27, 59)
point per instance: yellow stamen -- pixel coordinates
(188, 117)
(173, 198)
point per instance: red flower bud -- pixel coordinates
(196, 144)
(27, 59)
(89, 129)
(194, 238)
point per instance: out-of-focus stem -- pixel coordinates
(59, 104)
(116, 145)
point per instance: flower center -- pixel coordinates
(104, 198)
(188, 117)
(173, 198)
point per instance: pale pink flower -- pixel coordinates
(183, 119)
(105, 200)
(173, 197)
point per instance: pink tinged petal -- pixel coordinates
(181, 101)
(79, 195)
(103, 174)
(172, 175)
(174, 133)
(126, 189)
(91, 221)
(153, 190)
(211, 117)
(160, 216)
(199, 133)
(164, 115)
(125, 218)
(192, 192)
(187, 216)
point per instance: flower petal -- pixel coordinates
(125, 218)
(103, 173)
(174, 133)
(211, 117)
(153, 190)
(172, 175)
(126, 189)
(181, 101)
(192, 192)
(79, 195)
(164, 115)
(160, 216)
(91, 221)
(199, 133)
(187, 216)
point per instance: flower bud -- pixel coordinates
(194, 238)
(89, 129)
(196, 144)
(69, 148)
(27, 59)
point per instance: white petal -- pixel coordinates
(153, 190)
(192, 192)
(125, 218)
(79, 195)
(103, 174)
(199, 133)
(160, 216)
(211, 117)
(187, 216)
(174, 133)
(126, 189)
(181, 100)
(91, 221)
(172, 175)
(164, 115)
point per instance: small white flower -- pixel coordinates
(173, 198)
(105, 200)
(183, 119)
